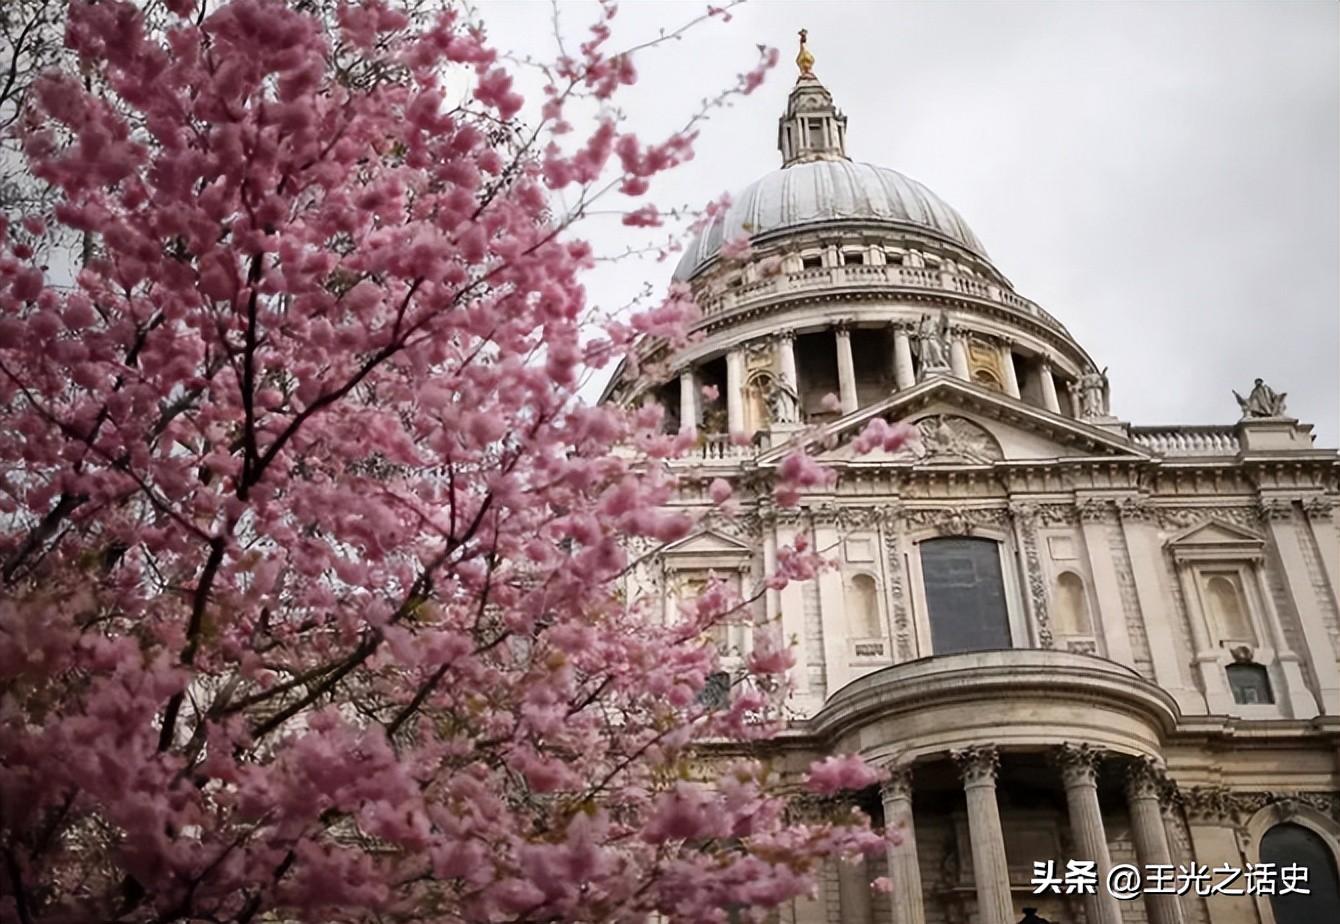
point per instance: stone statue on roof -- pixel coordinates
(1263, 401)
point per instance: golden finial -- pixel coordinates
(805, 60)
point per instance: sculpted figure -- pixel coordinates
(1263, 401)
(933, 342)
(1091, 394)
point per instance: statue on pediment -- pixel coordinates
(932, 343)
(1090, 393)
(1263, 401)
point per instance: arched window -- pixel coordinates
(1223, 598)
(1250, 684)
(1292, 845)
(965, 594)
(863, 608)
(1072, 610)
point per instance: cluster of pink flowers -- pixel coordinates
(314, 601)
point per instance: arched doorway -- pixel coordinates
(1290, 844)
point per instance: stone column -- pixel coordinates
(846, 369)
(991, 874)
(786, 372)
(1079, 774)
(688, 400)
(735, 391)
(958, 355)
(1011, 382)
(1144, 784)
(904, 376)
(1049, 399)
(904, 868)
(854, 891)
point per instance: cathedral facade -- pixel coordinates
(1078, 644)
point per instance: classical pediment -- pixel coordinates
(1215, 539)
(707, 549)
(960, 423)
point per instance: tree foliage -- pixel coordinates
(315, 601)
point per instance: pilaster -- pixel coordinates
(1277, 516)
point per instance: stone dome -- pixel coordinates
(828, 190)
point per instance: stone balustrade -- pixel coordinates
(837, 279)
(1188, 441)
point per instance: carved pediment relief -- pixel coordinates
(950, 439)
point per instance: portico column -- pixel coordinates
(904, 376)
(846, 369)
(854, 891)
(688, 401)
(1079, 774)
(786, 370)
(1049, 399)
(735, 392)
(977, 766)
(904, 870)
(1144, 783)
(1011, 382)
(958, 355)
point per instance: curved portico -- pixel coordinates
(1081, 736)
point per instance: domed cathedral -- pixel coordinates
(1071, 639)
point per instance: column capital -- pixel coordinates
(977, 764)
(1274, 508)
(1146, 778)
(898, 785)
(1079, 763)
(842, 327)
(785, 333)
(1045, 362)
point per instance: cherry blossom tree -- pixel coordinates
(314, 565)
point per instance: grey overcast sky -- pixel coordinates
(1162, 177)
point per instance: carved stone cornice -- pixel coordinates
(1183, 517)
(1079, 764)
(953, 521)
(1219, 804)
(977, 764)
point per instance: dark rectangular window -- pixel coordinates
(965, 595)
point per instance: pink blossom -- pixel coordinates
(836, 773)
(878, 433)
